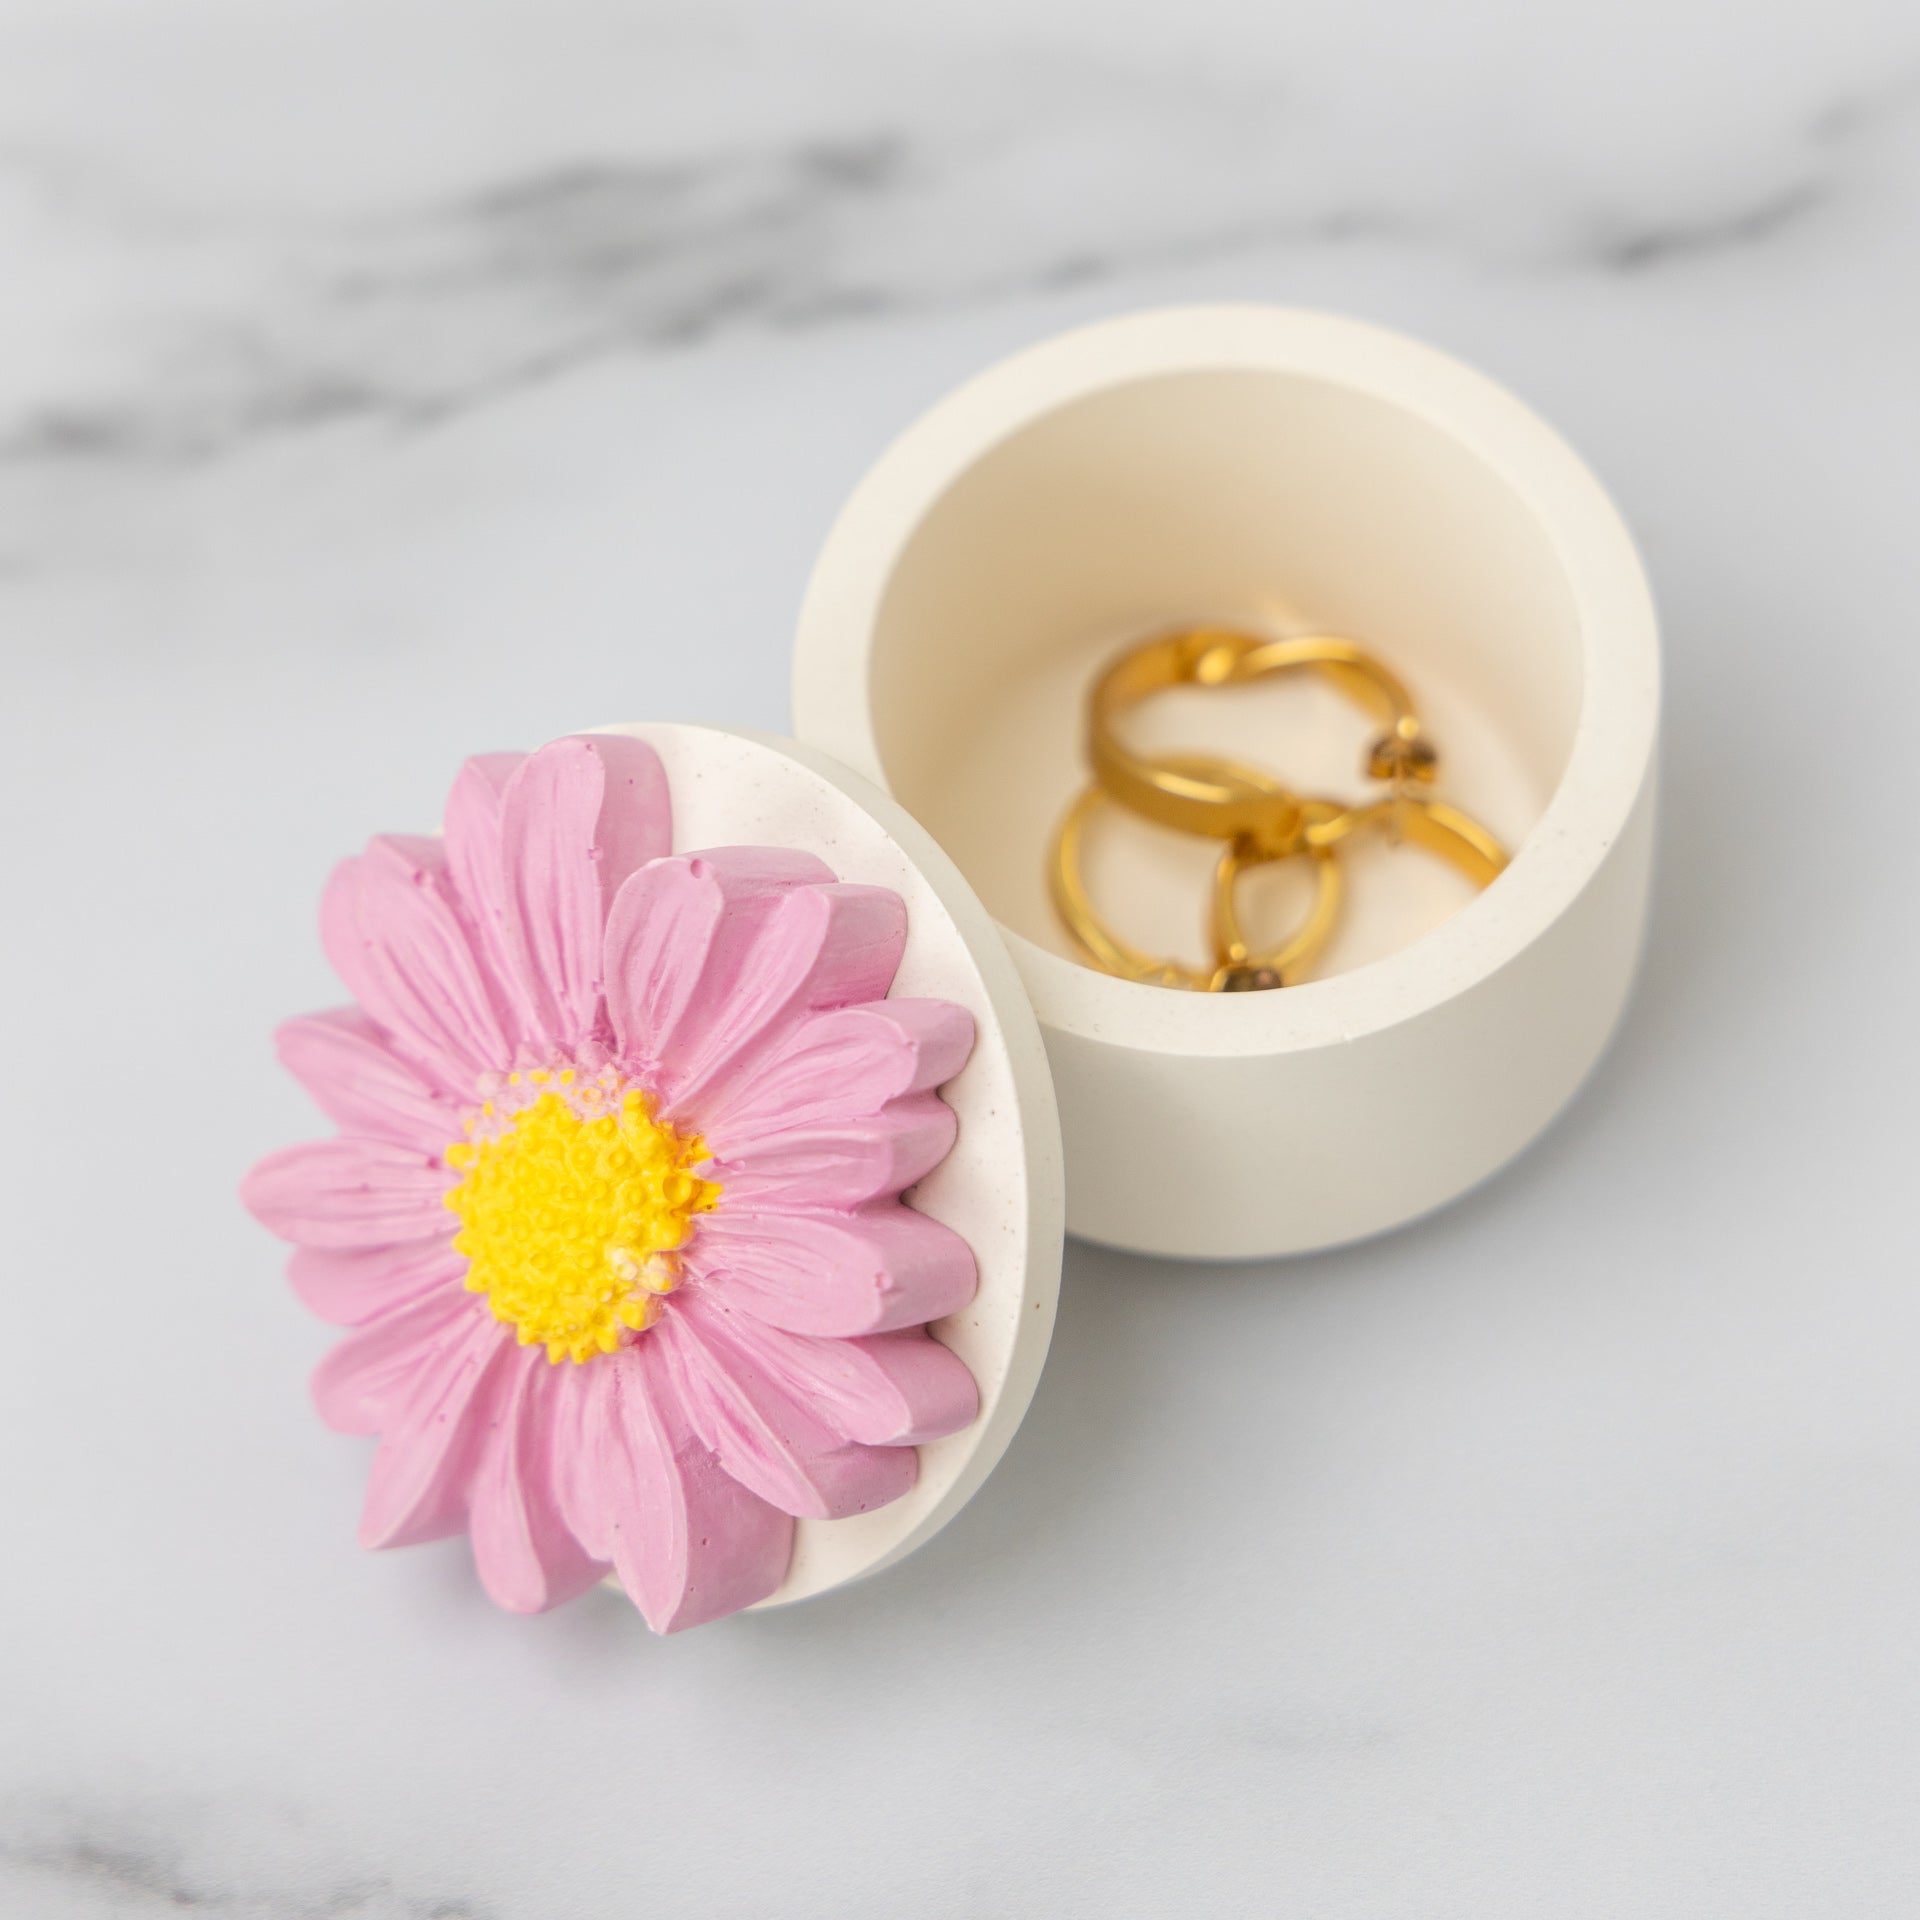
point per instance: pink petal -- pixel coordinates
(474, 860)
(676, 921)
(527, 1559)
(846, 1063)
(834, 1273)
(837, 1164)
(773, 958)
(764, 1434)
(349, 1193)
(886, 1390)
(392, 925)
(371, 1371)
(575, 820)
(352, 1285)
(436, 1412)
(361, 1084)
(639, 1489)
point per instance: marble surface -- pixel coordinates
(384, 380)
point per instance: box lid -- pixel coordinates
(1001, 1187)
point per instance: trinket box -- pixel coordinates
(1279, 471)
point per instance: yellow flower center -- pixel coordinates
(572, 1206)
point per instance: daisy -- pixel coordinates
(614, 1211)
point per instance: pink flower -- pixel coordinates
(613, 1213)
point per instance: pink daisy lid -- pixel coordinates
(695, 1209)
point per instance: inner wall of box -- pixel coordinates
(1275, 502)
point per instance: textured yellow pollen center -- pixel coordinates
(571, 1210)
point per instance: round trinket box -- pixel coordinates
(1281, 472)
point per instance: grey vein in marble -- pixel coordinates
(405, 319)
(104, 1855)
(1833, 135)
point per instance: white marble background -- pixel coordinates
(382, 380)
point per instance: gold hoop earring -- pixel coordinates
(1247, 971)
(1279, 966)
(1228, 808)
(1433, 826)
(1436, 828)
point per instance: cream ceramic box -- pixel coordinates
(1286, 472)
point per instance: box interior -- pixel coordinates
(1273, 501)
